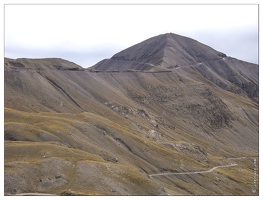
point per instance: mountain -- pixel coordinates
(170, 52)
(168, 116)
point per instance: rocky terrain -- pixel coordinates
(169, 106)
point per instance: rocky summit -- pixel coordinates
(167, 116)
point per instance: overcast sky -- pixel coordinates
(86, 34)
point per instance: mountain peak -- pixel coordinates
(160, 53)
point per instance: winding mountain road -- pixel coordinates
(196, 172)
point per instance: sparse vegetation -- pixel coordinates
(70, 131)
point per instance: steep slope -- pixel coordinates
(70, 131)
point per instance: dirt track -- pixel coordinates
(196, 172)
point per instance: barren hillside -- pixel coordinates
(168, 106)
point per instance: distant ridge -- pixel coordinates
(41, 64)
